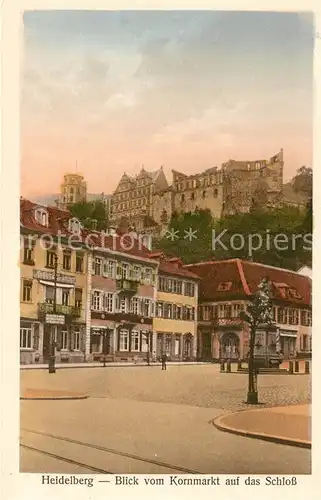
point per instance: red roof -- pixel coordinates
(58, 222)
(237, 279)
(170, 268)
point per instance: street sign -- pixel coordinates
(55, 319)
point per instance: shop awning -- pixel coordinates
(59, 285)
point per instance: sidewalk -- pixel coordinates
(289, 425)
(101, 365)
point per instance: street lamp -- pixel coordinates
(52, 346)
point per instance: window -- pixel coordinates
(159, 309)
(204, 194)
(224, 311)
(306, 318)
(169, 285)
(179, 312)
(162, 284)
(125, 271)
(50, 259)
(78, 297)
(177, 287)
(26, 291)
(183, 197)
(41, 217)
(98, 265)
(136, 273)
(206, 313)
(66, 261)
(168, 344)
(79, 263)
(146, 308)
(121, 305)
(192, 196)
(110, 268)
(293, 317)
(215, 193)
(109, 302)
(27, 254)
(96, 301)
(282, 315)
(64, 340)
(25, 336)
(77, 339)
(134, 305)
(123, 340)
(304, 342)
(224, 286)
(236, 309)
(189, 289)
(274, 313)
(135, 340)
(148, 275)
(74, 226)
(65, 297)
(50, 293)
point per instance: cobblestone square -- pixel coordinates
(162, 417)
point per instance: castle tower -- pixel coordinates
(72, 190)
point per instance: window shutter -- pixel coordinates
(92, 299)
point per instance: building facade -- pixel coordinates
(175, 321)
(47, 264)
(123, 294)
(227, 287)
(133, 198)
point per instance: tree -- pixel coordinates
(303, 181)
(258, 313)
(88, 212)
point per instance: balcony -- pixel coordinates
(127, 286)
(68, 311)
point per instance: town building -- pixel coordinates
(72, 190)
(48, 263)
(226, 288)
(123, 295)
(133, 198)
(175, 321)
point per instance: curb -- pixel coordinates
(54, 398)
(109, 365)
(217, 422)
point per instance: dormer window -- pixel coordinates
(224, 286)
(74, 226)
(41, 216)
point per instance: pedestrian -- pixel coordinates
(164, 359)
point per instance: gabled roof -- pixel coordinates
(245, 277)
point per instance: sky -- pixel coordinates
(107, 92)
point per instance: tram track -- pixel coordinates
(130, 459)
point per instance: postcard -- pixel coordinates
(162, 198)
